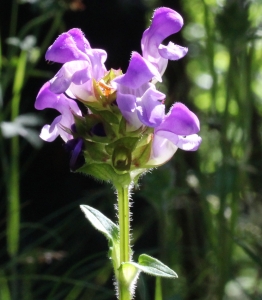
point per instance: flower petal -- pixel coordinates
(164, 23)
(97, 58)
(162, 150)
(47, 99)
(180, 121)
(79, 38)
(139, 72)
(77, 72)
(150, 110)
(127, 105)
(172, 51)
(50, 133)
(187, 143)
(67, 47)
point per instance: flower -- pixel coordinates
(67, 107)
(80, 62)
(178, 130)
(125, 129)
(164, 23)
(135, 93)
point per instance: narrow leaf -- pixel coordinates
(153, 266)
(101, 222)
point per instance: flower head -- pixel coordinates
(124, 129)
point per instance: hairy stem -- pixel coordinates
(124, 237)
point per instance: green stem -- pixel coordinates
(124, 237)
(13, 23)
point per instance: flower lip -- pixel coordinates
(139, 72)
(180, 121)
(165, 22)
(67, 47)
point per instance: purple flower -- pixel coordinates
(80, 62)
(178, 130)
(137, 98)
(66, 107)
(141, 106)
(164, 23)
(139, 102)
(83, 76)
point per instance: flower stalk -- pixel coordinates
(124, 236)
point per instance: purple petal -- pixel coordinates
(50, 132)
(180, 121)
(165, 22)
(127, 105)
(47, 99)
(139, 72)
(172, 51)
(78, 36)
(77, 72)
(66, 106)
(49, 135)
(83, 92)
(162, 150)
(97, 58)
(187, 143)
(65, 49)
(150, 110)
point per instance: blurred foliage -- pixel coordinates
(200, 213)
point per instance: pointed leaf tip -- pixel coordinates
(101, 222)
(155, 267)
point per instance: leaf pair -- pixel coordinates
(110, 230)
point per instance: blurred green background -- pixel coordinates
(201, 213)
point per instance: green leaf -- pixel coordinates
(127, 142)
(105, 172)
(101, 222)
(153, 266)
(107, 115)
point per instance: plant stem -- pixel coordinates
(124, 238)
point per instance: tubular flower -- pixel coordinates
(67, 107)
(80, 62)
(164, 23)
(178, 130)
(133, 85)
(125, 129)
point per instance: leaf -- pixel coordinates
(101, 222)
(105, 172)
(153, 266)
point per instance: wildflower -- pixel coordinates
(178, 130)
(124, 127)
(164, 23)
(67, 107)
(80, 62)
